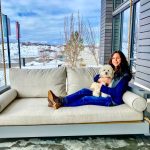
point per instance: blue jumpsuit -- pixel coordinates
(84, 96)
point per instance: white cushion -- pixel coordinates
(37, 82)
(6, 98)
(34, 111)
(135, 101)
(78, 78)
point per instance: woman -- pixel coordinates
(84, 96)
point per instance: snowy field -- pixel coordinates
(39, 57)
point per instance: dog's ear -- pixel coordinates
(113, 72)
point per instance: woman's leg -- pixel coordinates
(91, 100)
(75, 96)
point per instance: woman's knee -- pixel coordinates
(86, 91)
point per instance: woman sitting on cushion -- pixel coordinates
(84, 96)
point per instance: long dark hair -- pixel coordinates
(123, 68)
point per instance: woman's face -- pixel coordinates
(116, 60)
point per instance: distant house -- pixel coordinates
(125, 26)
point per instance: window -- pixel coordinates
(116, 3)
(116, 32)
(125, 30)
(135, 32)
(121, 31)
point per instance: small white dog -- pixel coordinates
(106, 71)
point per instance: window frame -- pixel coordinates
(119, 10)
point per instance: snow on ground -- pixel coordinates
(39, 57)
(36, 65)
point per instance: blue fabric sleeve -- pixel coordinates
(96, 78)
(117, 92)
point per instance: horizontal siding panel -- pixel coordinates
(143, 69)
(142, 82)
(106, 41)
(143, 76)
(145, 14)
(144, 35)
(108, 38)
(145, 56)
(106, 29)
(143, 2)
(107, 45)
(145, 7)
(145, 28)
(108, 20)
(107, 49)
(145, 21)
(143, 62)
(108, 5)
(107, 53)
(144, 49)
(144, 42)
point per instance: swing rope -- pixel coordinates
(3, 45)
(129, 32)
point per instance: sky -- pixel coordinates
(42, 21)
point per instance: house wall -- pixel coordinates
(106, 30)
(143, 55)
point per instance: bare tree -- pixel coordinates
(90, 39)
(73, 40)
(44, 55)
(76, 35)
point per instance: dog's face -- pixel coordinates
(106, 71)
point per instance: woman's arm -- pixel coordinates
(117, 91)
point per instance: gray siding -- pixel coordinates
(143, 55)
(106, 30)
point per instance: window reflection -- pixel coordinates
(116, 32)
(116, 3)
(125, 30)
